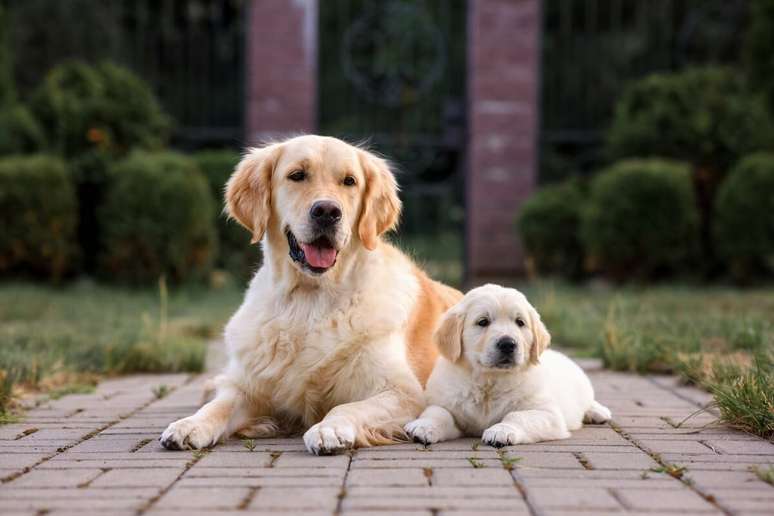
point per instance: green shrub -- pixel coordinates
(548, 224)
(703, 116)
(640, 219)
(744, 224)
(21, 133)
(104, 107)
(156, 219)
(235, 253)
(38, 214)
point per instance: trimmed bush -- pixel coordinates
(38, 214)
(105, 107)
(703, 116)
(21, 133)
(156, 219)
(744, 224)
(235, 253)
(640, 219)
(549, 224)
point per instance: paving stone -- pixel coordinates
(429, 462)
(203, 498)
(657, 499)
(602, 460)
(53, 478)
(387, 477)
(306, 460)
(472, 477)
(280, 498)
(234, 460)
(744, 447)
(684, 447)
(577, 498)
(129, 477)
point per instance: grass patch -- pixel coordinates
(718, 338)
(61, 340)
(766, 474)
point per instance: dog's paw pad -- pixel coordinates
(422, 431)
(328, 438)
(502, 434)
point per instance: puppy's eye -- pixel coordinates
(520, 322)
(349, 181)
(483, 322)
(298, 175)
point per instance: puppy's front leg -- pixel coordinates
(374, 420)
(227, 412)
(527, 426)
(434, 425)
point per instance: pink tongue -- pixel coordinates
(321, 257)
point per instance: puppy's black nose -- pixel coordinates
(506, 345)
(325, 213)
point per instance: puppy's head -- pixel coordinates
(492, 328)
(315, 197)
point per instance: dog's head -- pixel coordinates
(315, 197)
(492, 328)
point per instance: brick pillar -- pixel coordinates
(281, 68)
(503, 79)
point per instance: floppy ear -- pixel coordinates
(448, 335)
(540, 337)
(381, 205)
(248, 191)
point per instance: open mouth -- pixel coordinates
(317, 256)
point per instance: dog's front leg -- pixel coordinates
(227, 412)
(434, 425)
(527, 426)
(375, 420)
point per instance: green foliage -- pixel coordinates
(55, 339)
(235, 253)
(744, 225)
(105, 107)
(549, 224)
(758, 53)
(38, 214)
(746, 399)
(704, 116)
(21, 133)
(640, 219)
(157, 219)
(7, 87)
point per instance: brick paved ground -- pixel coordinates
(99, 454)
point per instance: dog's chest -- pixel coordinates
(479, 406)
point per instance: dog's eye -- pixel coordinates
(483, 322)
(520, 322)
(298, 175)
(349, 181)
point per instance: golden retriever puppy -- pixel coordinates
(334, 333)
(496, 377)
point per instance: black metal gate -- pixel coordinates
(591, 48)
(393, 73)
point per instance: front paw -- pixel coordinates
(423, 431)
(330, 437)
(188, 434)
(502, 434)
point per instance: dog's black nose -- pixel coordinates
(506, 345)
(325, 213)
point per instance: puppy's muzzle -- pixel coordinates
(325, 214)
(506, 348)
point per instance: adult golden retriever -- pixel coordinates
(334, 333)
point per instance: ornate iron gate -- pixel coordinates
(393, 73)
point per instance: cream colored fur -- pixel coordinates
(327, 353)
(542, 397)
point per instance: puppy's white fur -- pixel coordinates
(530, 396)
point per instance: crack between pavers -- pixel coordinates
(84, 485)
(518, 483)
(618, 498)
(343, 491)
(709, 498)
(254, 490)
(86, 437)
(196, 456)
(584, 461)
(670, 390)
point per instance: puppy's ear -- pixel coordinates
(248, 191)
(381, 205)
(541, 339)
(448, 335)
